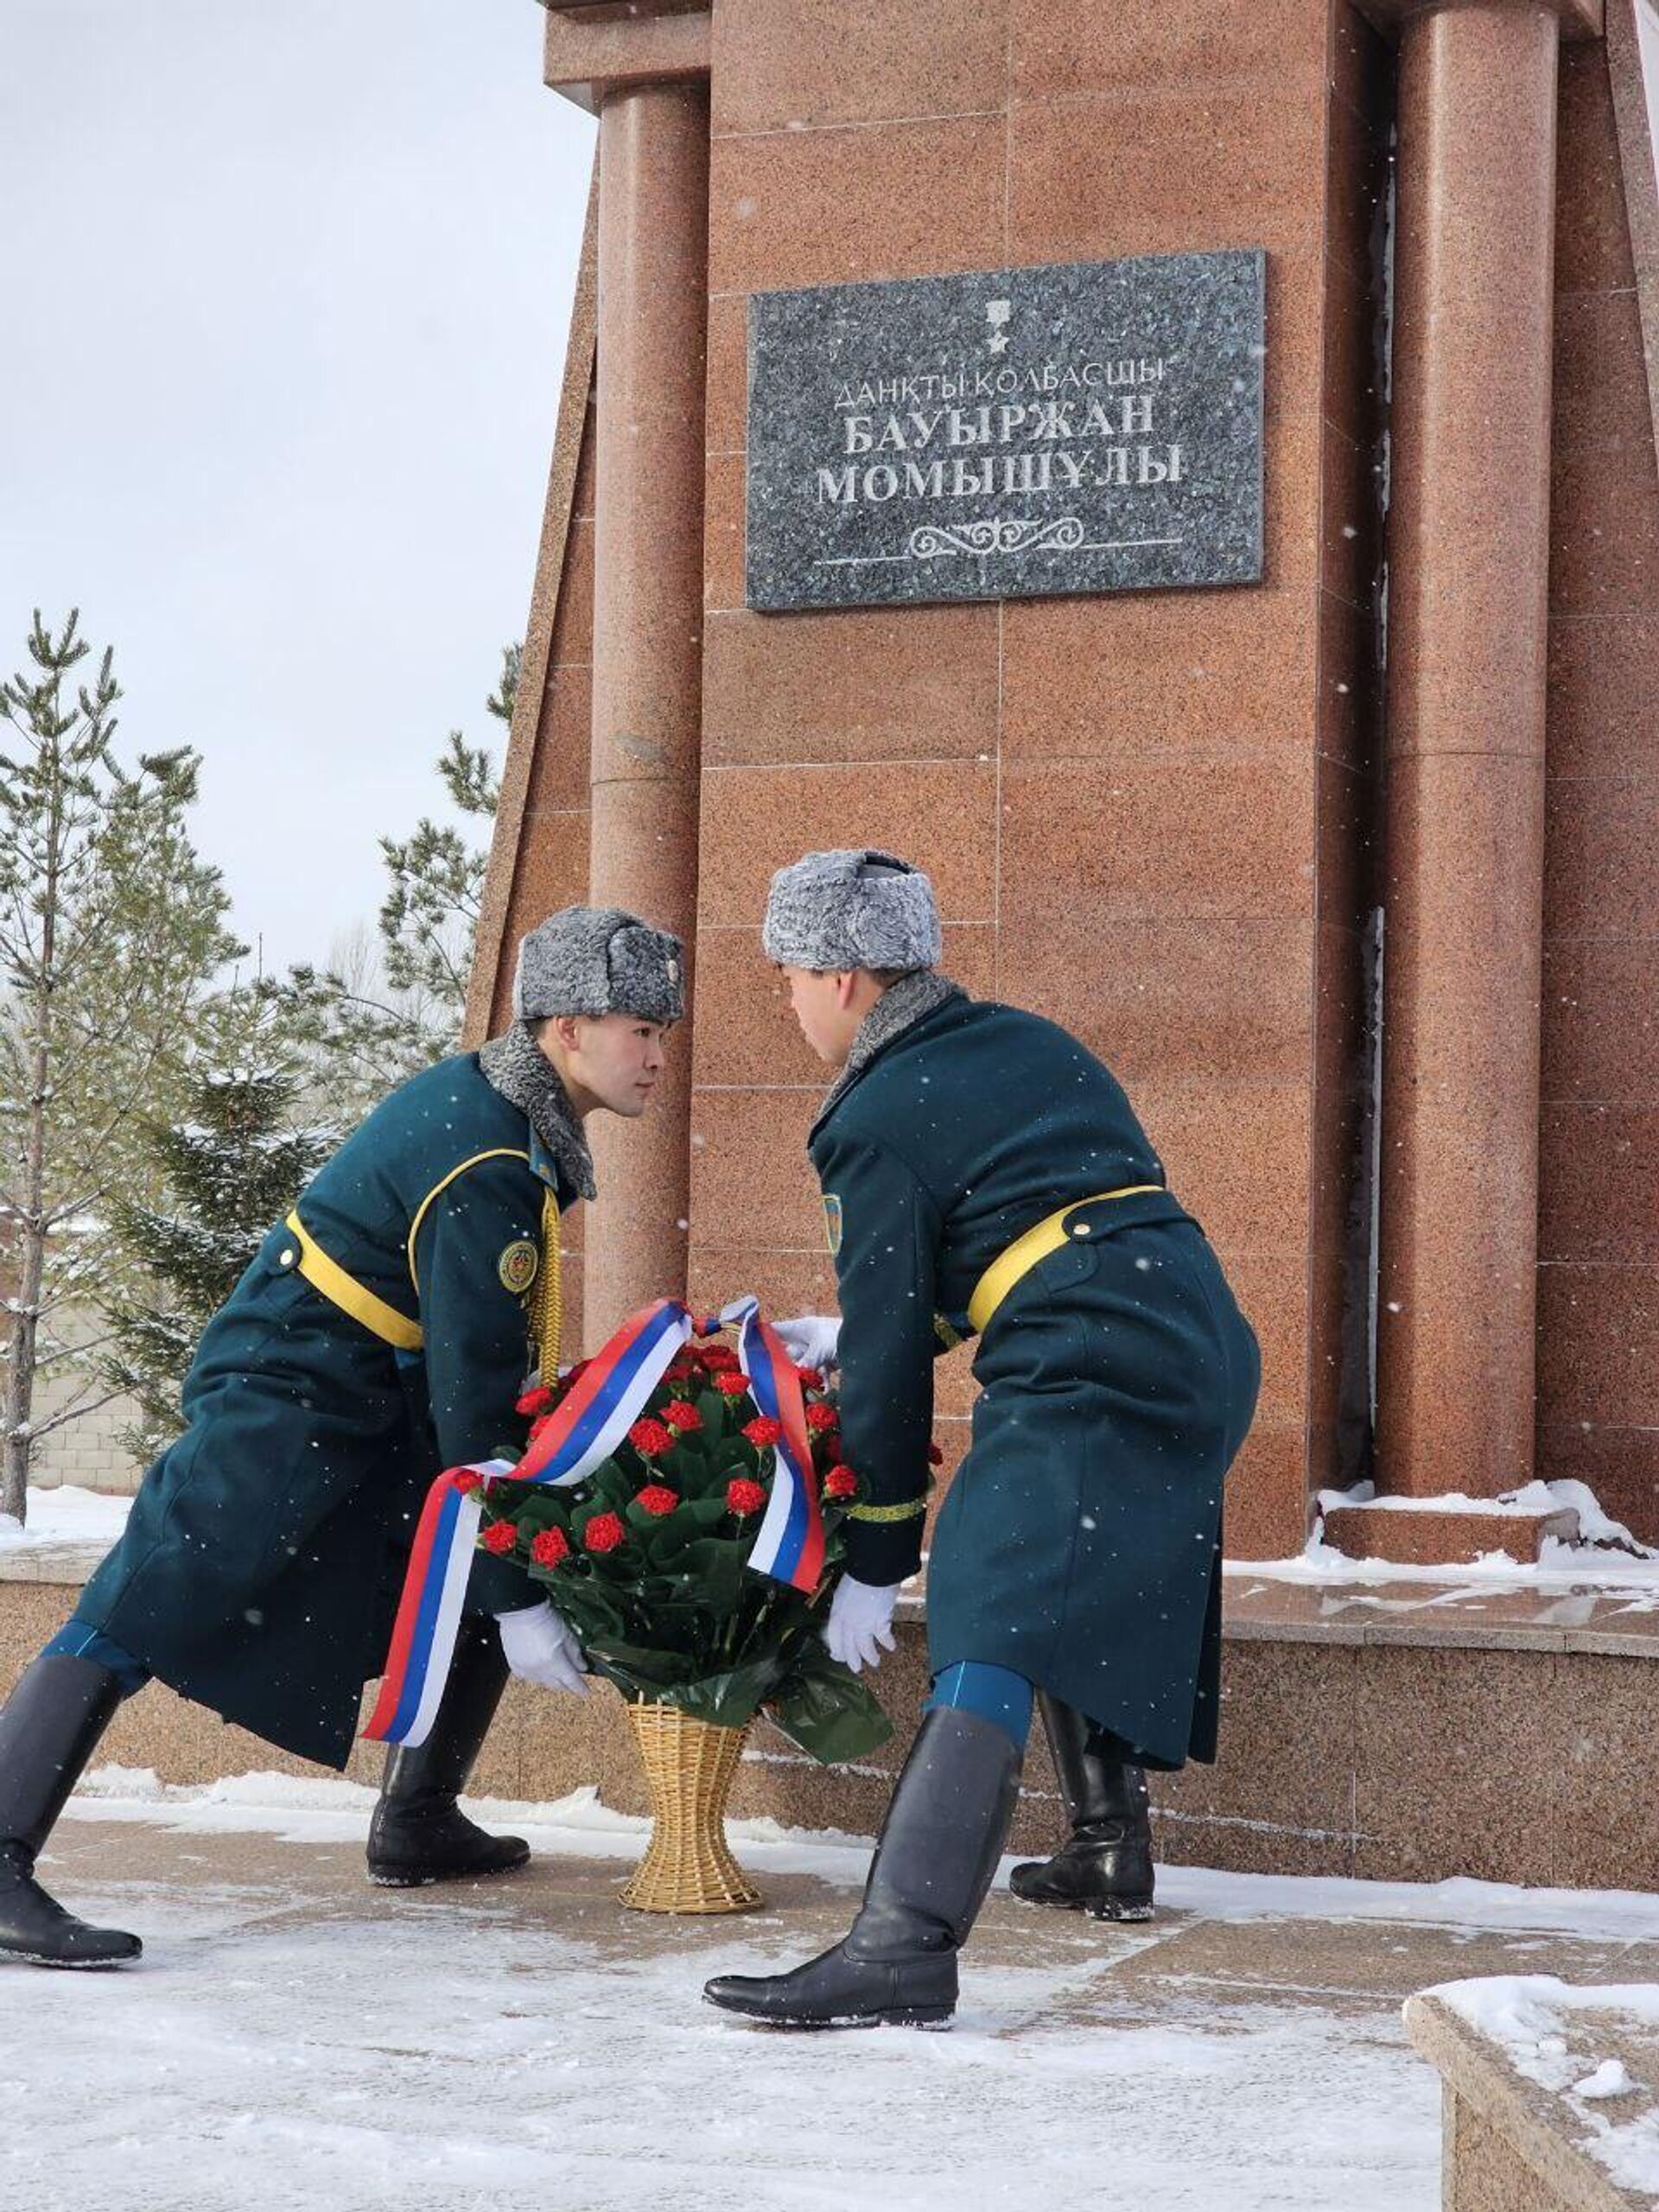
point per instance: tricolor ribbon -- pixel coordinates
(584, 1429)
(790, 1547)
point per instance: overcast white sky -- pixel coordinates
(1647, 36)
(287, 293)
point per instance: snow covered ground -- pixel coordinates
(295, 2038)
(65, 1516)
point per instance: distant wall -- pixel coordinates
(87, 1451)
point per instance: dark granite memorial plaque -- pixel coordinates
(1094, 427)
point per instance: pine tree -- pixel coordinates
(383, 1009)
(429, 916)
(113, 933)
(229, 1168)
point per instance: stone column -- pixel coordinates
(653, 244)
(1468, 568)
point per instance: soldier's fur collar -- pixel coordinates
(516, 1066)
(900, 1007)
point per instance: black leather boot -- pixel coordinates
(1104, 1867)
(938, 1851)
(419, 1834)
(49, 1729)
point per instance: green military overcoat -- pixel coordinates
(262, 1562)
(1079, 1543)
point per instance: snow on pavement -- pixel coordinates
(451, 2058)
(295, 2038)
(322, 1809)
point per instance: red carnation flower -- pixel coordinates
(719, 1359)
(822, 1417)
(650, 1439)
(743, 1496)
(466, 1479)
(539, 1400)
(764, 1430)
(680, 1370)
(604, 1533)
(935, 1457)
(840, 1482)
(500, 1537)
(549, 1548)
(680, 1413)
(574, 1374)
(809, 1378)
(658, 1498)
(734, 1386)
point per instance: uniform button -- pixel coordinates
(285, 1259)
(1082, 1229)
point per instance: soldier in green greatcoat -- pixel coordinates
(384, 1332)
(983, 1173)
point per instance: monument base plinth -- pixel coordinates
(1416, 1732)
(1435, 1535)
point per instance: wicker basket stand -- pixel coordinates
(689, 1767)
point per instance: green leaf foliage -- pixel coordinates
(827, 1710)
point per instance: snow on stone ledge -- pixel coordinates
(1593, 2048)
(1607, 1556)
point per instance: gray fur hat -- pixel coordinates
(599, 960)
(863, 909)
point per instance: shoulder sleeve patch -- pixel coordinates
(832, 1220)
(518, 1265)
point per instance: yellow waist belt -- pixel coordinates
(1036, 1244)
(351, 1296)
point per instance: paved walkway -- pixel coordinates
(296, 2038)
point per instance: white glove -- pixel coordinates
(860, 1618)
(540, 1648)
(811, 1340)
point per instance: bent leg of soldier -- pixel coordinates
(1104, 1867)
(419, 1834)
(934, 1863)
(49, 1728)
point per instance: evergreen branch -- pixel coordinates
(54, 1353)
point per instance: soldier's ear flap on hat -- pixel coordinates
(646, 970)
